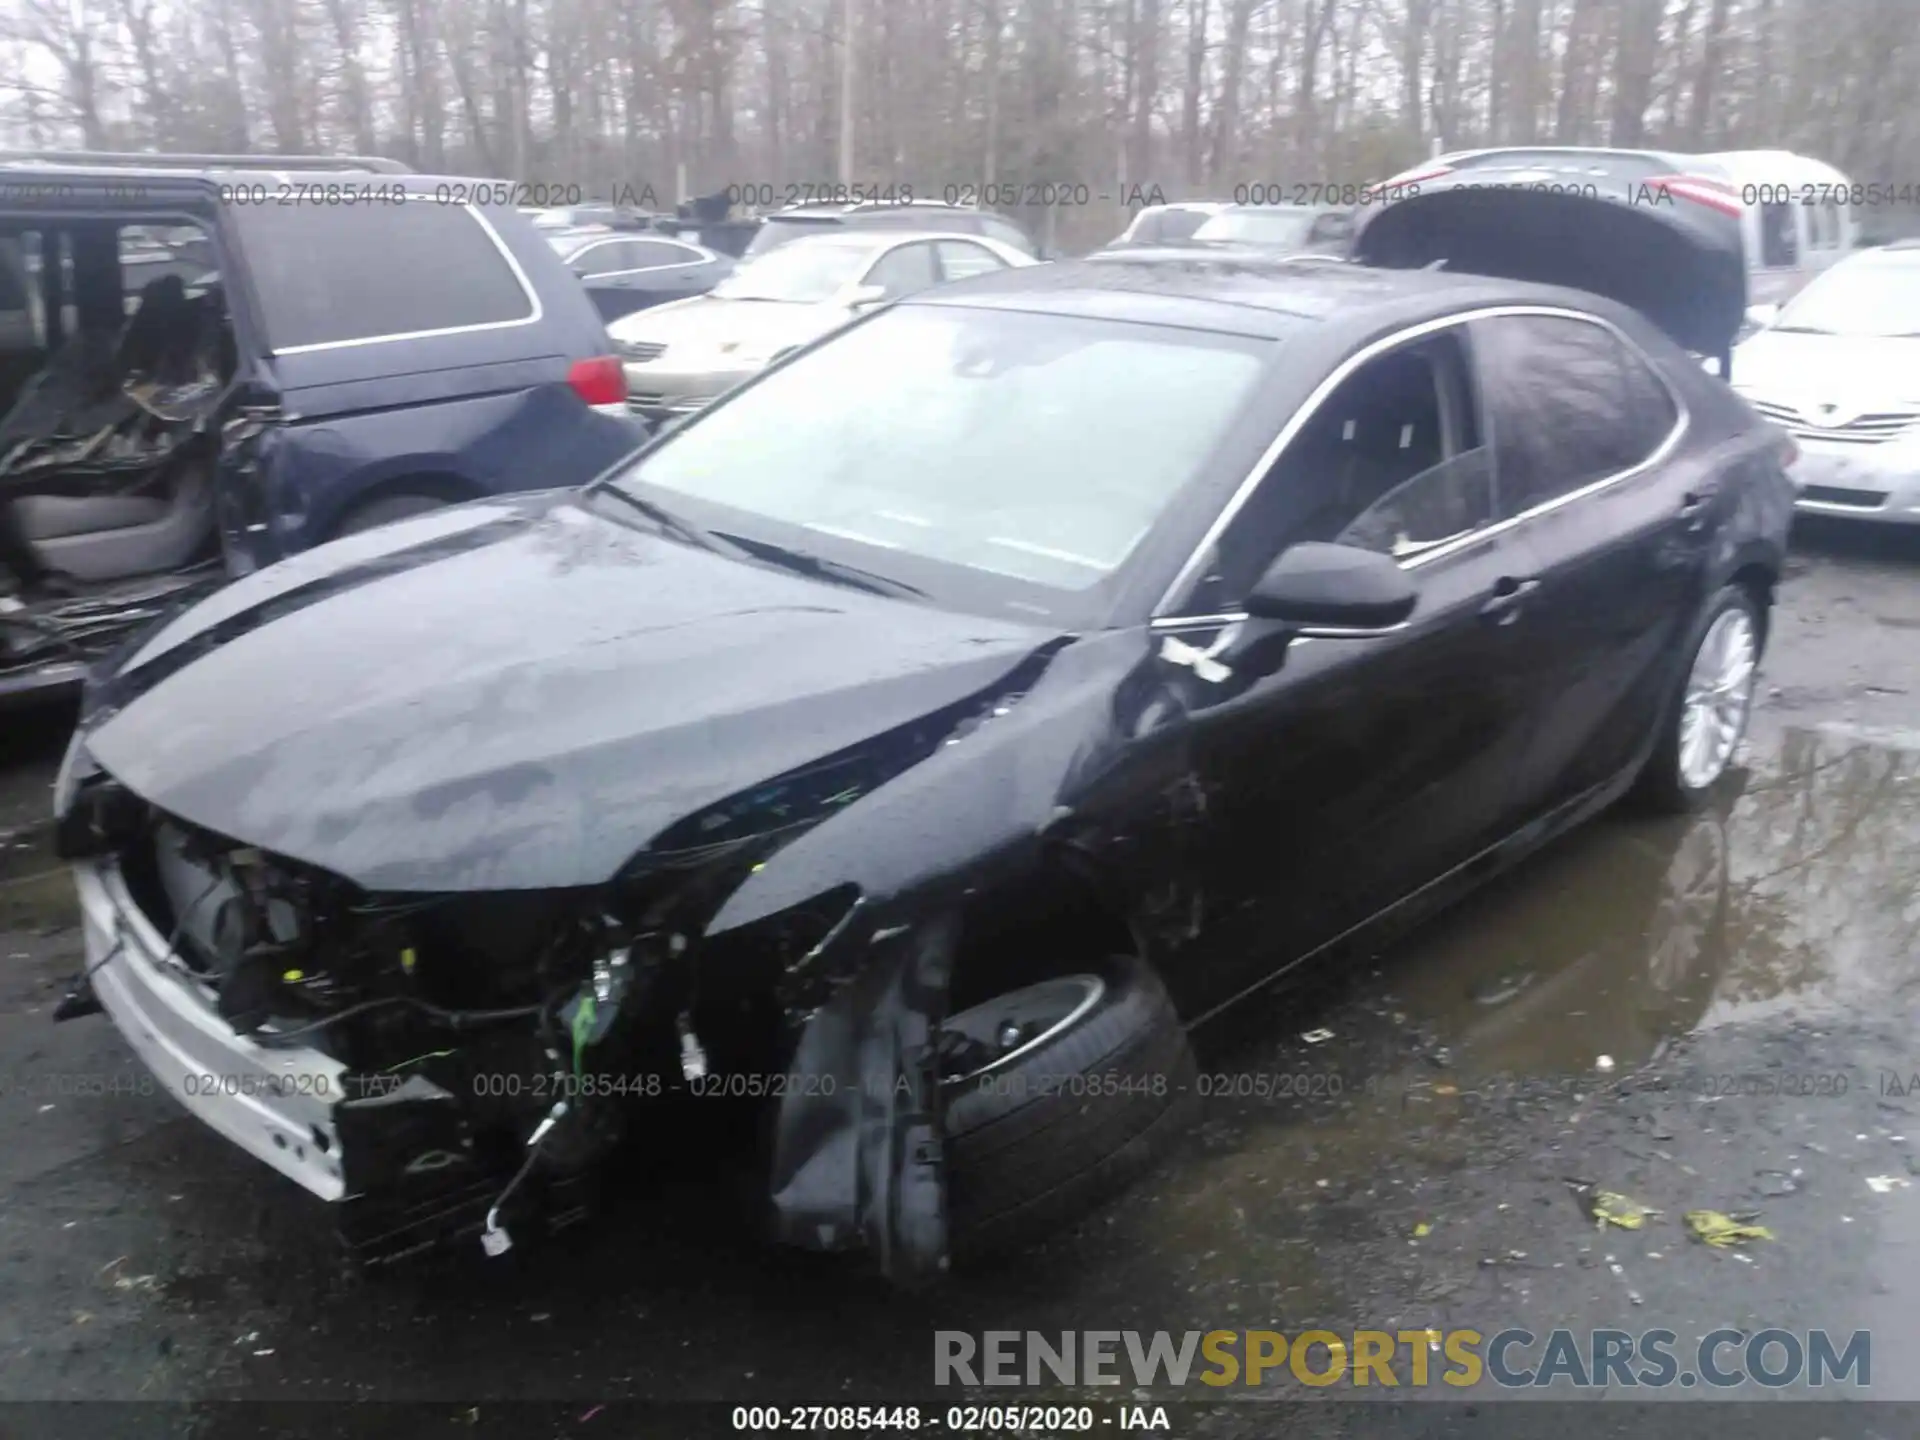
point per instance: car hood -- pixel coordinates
(514, 696)
(711, 325)
(1854, 372)
(1676, 259)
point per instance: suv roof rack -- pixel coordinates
(134, 159)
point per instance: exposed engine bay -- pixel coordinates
(107, 444)
(492, 1043)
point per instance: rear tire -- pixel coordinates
(1067, 1120)
(385, 510)
(1706, 718)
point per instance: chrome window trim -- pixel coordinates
(526, 288)
(1186, 575)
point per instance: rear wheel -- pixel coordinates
(385, 510)
(1057, 1095)
(1707, 718)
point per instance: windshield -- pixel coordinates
(801, 274)
(1259, 227)
(1857, 299)
(1037, 448)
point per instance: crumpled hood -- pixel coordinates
(710, 326)
(1855, 372)
(514, 695)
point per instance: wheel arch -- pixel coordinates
(445, 485)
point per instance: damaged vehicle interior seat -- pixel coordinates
(105, 461)
(206, 367)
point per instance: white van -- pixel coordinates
(1795, 215)
(1798, 219)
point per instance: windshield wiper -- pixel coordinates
(804, 562)
(1802, 330)
(671, 523)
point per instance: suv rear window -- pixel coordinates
(325, 274)
(779, 229)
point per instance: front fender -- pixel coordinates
(856, 1149)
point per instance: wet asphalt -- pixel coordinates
(1710, 1014)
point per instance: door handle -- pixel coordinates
(1502, 607)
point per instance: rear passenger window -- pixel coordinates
(1569, 403)
(1779, 244)
(324, 274)
(959, 259)
(1006, 232)
(651, 254)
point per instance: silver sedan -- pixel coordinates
(681, 356)
(1839, 369)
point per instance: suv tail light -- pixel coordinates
(1701, 189)
(1414, 177)
(599, 381)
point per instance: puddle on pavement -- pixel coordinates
(1796, 898)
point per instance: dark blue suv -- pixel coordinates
(207, 365)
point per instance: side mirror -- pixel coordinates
(1336, 586)
(863, 297)
(1761, 316)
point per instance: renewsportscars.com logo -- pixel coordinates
(1511, 1359)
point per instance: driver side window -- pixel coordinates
(1392, 461)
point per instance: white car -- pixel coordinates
(1839, 369)
(681, 356)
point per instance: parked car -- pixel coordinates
(625, 272)
(574, 217)
(681, 356)
(1839, 369)
(327, 368)
(920, 738)
(1794, 216)
(784, 226)
(1166, 224)
(1310, 229)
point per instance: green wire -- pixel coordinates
(582, 1028)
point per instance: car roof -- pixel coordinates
(153, 186)
(874, 239)
(1278, 209)
(838, 211)
(1251, 294)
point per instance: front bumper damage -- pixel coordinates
(450, 1061)
(854, 1156)
(496, 1118)
(276, 1104)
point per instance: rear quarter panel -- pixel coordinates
(465, 412)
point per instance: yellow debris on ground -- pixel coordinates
(1723, 1230)
(1610, 1208)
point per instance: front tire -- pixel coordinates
(1705, 721)
(1096, 1086)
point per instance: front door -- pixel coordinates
(1365, 765)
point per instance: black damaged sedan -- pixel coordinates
(916, 744)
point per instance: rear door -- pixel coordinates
(1585, 437)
